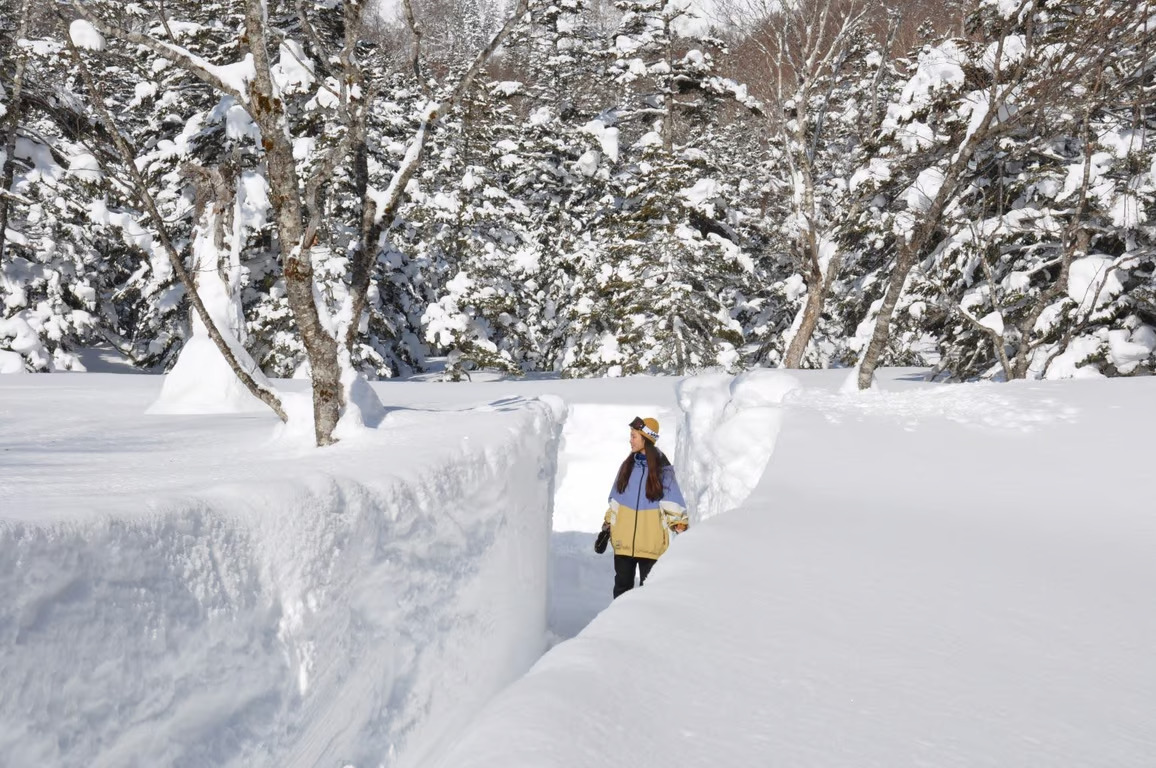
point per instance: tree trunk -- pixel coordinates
(14, 110)
(883, 323)
(816, 293)
(1077, 240)
(909, 252)
(268, 111)
(817, 282)
(998, 94)
(364, 257)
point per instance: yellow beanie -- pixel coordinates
(648, 427)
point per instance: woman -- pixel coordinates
(645, 504)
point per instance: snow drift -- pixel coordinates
(917, 575)
(325, 608)
(939, 575)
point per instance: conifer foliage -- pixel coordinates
(268, 136)
(1017, 216)
(575, 187)
(51, 271)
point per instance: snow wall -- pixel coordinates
(593, 699)
(310, 620)
(730, 426)
(315, 613)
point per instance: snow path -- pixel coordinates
(594, 442)
(580, 583)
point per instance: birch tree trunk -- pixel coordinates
(269, 112)
(818, 286)
(911, 249)
(908, 255)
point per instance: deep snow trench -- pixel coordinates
(593, 442)
(712, 426)
(184, 591)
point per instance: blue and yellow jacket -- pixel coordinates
(640, 527)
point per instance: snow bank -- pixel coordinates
(911, 583)
(202, 382)
(337, 607)
(924, 575)
(730, 426)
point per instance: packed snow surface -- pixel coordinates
(917, 575)
(941, 575)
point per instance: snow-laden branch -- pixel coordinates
(992, 325)
(380, 208)
(140, 188)
(9, 195)
(229, 79)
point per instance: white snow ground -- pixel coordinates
(924, 575)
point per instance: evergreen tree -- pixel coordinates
(655, 288)
(966, 103)
(53, 271)
(519, 199)
(484, 235)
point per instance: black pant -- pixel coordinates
(624, 572)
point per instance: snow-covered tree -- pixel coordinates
(1050, 274)
(52, 269)
(821, 74)
(514, 199)
(656, 279)
(482, 231)
(302, 93)
(965, 102)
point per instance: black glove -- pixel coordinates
(602, 540)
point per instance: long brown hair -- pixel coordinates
(655, 461)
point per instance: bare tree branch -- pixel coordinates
(128, 157)
(165, 21)
(416, 31)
